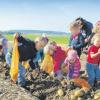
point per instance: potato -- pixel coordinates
(79, 93)
(96, 97)
(60, 92)
(79, 98)
(73, 97)
(97, 91)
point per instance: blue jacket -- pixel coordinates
(77, 44)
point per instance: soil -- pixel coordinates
(41, 88)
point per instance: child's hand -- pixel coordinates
(52, 74)
(99, 51)
(86, 40)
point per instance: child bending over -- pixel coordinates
(73, 65)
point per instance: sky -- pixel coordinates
(53, 15)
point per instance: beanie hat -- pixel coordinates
(72, 54)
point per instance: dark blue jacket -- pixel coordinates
(78, 46)
(27, 50)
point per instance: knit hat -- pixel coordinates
(98, 23)
(72, 54)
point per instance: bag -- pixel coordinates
(14, 62)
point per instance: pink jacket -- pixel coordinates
(76, 67)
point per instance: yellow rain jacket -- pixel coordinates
(47, 64)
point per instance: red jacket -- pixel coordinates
(58, 57)
(93, 49)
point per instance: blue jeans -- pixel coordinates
(8, 59)
(21, 75)
(71, 71)
(93, 72)
(5, 50)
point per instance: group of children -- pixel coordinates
(43, 55)
(78, 43)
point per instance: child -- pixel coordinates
(4, 43)
(27, 50)
(96, 30)
(76, 39)
(58, 58)
(47, 64)
(93, 60)
(86, 26)
(73, 64)
(8, 58)
(40, 53)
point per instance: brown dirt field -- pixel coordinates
(40, 89)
